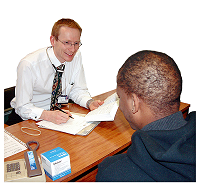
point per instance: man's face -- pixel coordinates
(62, 52)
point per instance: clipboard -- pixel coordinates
(89, 128)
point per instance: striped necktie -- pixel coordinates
(57, 86)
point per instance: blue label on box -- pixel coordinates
(31, 160)
(55, 154)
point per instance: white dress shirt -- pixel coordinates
(35, 75)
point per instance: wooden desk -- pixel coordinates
(86, 152)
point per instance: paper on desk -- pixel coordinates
(72, 126)
(12, 145)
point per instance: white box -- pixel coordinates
(56, 163)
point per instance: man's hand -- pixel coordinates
(56, 116)
(95, 104)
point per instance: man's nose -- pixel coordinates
(72, 48)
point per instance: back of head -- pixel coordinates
(155, 78)
(64, 22)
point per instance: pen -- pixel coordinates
(62, 111)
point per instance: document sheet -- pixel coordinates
(12, 145)
(81, 125)
(105, 112)
(72, 126)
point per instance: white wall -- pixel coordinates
(112, 31)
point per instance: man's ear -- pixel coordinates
(136, 103)
(52, 40)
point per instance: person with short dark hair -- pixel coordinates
(163, 148)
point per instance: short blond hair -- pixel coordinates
(64, 22)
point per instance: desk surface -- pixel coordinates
(107, 139)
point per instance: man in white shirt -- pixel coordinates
(36, 71)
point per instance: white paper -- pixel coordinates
(105, 112)
(112, 98)
(72, 126)
(12, 145)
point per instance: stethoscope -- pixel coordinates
(60, 71)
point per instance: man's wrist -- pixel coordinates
(43, 115)
(89, 102)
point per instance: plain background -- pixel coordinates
(113, 30)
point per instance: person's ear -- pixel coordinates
(136, 103)
(52, 40)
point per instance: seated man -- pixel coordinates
(46, 77)
(163, 147)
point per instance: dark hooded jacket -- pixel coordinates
(164, 150)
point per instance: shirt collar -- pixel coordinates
(172, 122)
(52, 57)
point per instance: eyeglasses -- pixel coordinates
(69, 44)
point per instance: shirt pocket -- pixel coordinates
(68, 89)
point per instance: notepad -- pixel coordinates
(105, 112)
(72, 126)
(81, 125)
(12, 145)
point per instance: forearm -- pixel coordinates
(80, 96)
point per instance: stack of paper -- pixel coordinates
(12, 145)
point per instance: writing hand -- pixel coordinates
(56, 116)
